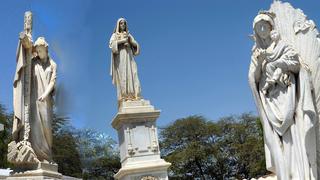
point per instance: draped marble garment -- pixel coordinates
(124, 70)
(23, 57)
(42, 111)
(287, 115)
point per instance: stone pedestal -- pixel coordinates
(138, 141)
(266, 177)
(43, 171)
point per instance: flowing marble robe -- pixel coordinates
(287, 114)
(123, 66)
(23, 56)
(43, 74)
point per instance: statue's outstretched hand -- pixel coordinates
(42, 98)
(22, 35)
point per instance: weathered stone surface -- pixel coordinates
(267, 177)
(42, 171)
(138, 139)
(33, 86)
(135, 121)
(149, 178)
(284, 78)
(21, 153)
(124, 69)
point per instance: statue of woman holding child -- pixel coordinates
(284, 84)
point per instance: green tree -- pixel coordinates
(104, 167)
(5, 135)
(99, 154)
(188, 143)
(65, 147)
(229, 148)
(243, 142)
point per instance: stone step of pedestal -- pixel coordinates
(266, 177)
(42, 171)
(135, 106)
(157, 168)
(39, 178)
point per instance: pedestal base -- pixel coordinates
(266, 177)
(149, 170)
(138, 142)
(44, 171)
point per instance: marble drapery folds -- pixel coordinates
(287, 108)
(33, 96)
(124, 70)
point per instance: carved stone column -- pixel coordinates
(138, 141)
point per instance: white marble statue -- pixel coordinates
(123, 66)
(44, 74)
(135, 121)
(284, 76)
(34, 83)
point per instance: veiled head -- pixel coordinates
(41, 48)
(263, 24)
(122, 25)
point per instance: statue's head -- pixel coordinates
(28, 21)
(263, 29)
(121, 25)
(263, 24)
(41, 48)
(275, 36)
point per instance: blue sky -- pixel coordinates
(194, 59)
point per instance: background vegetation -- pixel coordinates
(229, 148)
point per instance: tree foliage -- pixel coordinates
(5, 119)
(99, 154)
(65, 154)
(187, 144)
(84, 153)
(229, 148)
(64, 148)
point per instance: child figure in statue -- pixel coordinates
(277, 67)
